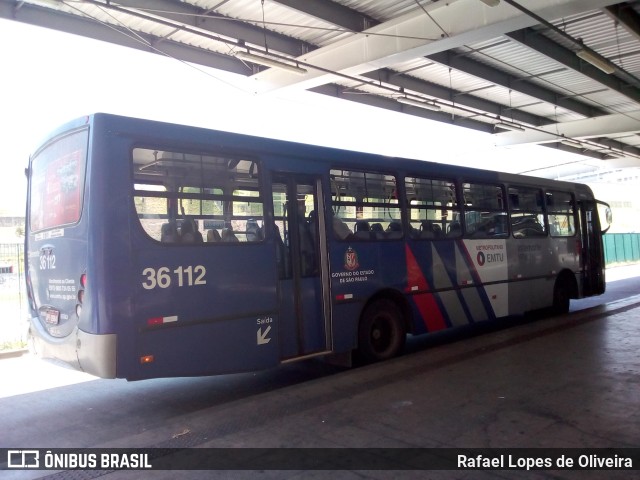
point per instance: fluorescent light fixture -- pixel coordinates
(571, 143)
(491, 3)
(270, 62)
(510, 126)
(614, 153)
(596, 60)
(419, 104)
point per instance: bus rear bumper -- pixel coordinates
(91, 353)
(97, 353)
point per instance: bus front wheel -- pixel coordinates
(381, 334)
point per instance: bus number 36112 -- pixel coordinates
(163, 277)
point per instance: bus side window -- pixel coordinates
(210, 191)
(433, 208)
(527, 212)
(254, 232)
(228, 235)
(485, 210)
(341, 229)
(561, 214)
(361, 200)
(189, 232)
(168, 232)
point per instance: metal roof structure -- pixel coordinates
(561, 73)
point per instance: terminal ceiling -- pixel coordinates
(562, 73)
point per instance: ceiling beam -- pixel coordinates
(589, 129)
(434, 90)
(196, 17)
(352, 20)
(74, 24)
(625, 14)
(332, 12)
(617, 124)
(461, 62)
(378, 101)
(617, 145)
(536, 41)
(424, 31)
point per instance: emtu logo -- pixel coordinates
(23, 459)
(480, 258)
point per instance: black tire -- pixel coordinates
(561, 297)
(381, 333)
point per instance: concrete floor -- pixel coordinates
(560, 382)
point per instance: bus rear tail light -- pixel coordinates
(146, 359)
(80, 298)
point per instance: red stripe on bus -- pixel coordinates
(426, 302)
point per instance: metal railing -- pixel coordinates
(13, 296)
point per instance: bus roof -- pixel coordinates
(251, 144)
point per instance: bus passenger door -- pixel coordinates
(593, 279)
(303, 323)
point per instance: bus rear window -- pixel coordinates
(57, 182)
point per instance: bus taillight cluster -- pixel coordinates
(83, 284)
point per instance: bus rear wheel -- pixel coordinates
(381, 333)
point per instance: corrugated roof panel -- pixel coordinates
(525, 103)
(596, 28)
(630, 63)
(442, 75)
(605, 35)
(539, 69)
(120, 19)
(278, 18)
(200, 42)
(612, 101)
(475, 86)
(568, 81)
(381, 10)
(513, 58)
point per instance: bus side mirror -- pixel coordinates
(609, 219)
(608, 216)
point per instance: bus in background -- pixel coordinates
(160, 250)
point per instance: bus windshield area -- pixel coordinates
(57, 182)
(194, 198)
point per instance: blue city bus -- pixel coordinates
(161, 250)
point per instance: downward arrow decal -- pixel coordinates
(261, 337)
